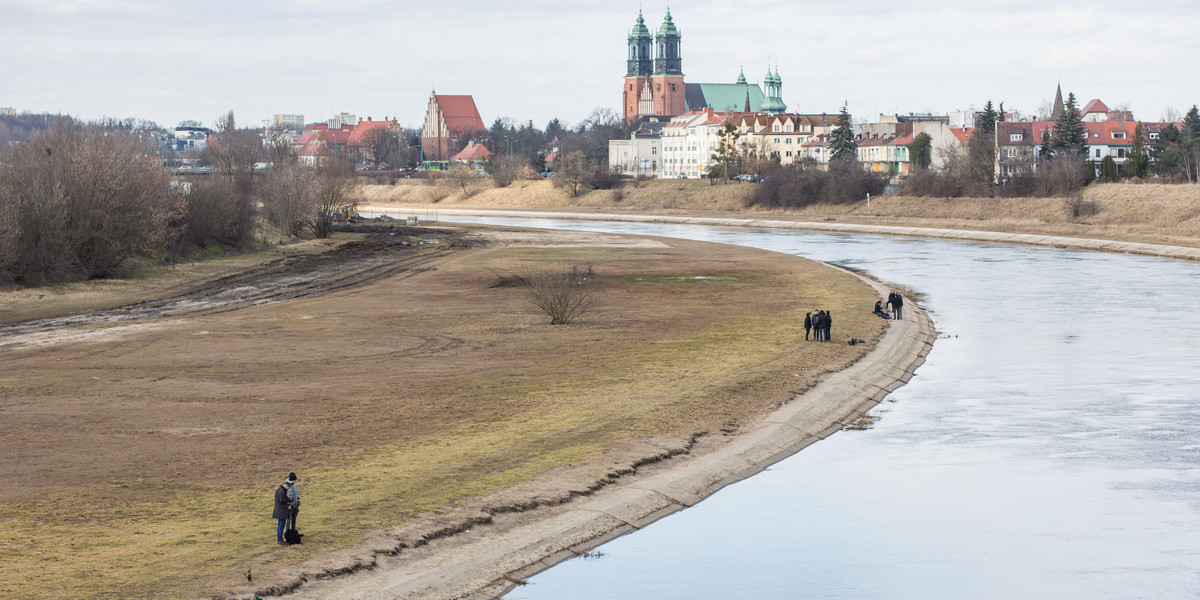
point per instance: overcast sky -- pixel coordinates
(536, 59)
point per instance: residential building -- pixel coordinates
(365, 136)
(688, 142)
(288, 121)
(7, 111)
(640, 155)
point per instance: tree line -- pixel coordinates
(79, 200)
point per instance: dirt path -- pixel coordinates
(352, 264)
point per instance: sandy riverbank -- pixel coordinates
(1146, 213)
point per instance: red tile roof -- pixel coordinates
(460, 113)
(963, 134)
(359, 136)
(473, 151)
(1095, 106)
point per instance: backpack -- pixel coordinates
(292, 536)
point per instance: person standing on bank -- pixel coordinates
(294, 496)
(828, 324)
(282, 511)
(808, 323)
(896, 301)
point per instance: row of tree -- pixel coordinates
(77, 200)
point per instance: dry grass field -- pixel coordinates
(1156, 213)
(139, 455)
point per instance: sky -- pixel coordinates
(534, 60)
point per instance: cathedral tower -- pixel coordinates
(654, 72)
(669, 96)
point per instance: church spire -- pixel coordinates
(1057, 108)
(741, 76)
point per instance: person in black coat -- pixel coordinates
(282, 511)
(828, 324)
(807, 325)
(896, 301)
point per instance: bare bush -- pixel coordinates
(845, 182)
(76, 203)
(508, 169)
(287, 198)
(217, 212)
(563, 293)
(571, 172)
(461, 177)
(331, 190)
(1076, 206)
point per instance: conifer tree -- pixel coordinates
(1138, 162)
(1191, 124)
(1046, 152)
(1070, 136)
(841, 140)
(985, 121)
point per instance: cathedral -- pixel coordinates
(654, 83)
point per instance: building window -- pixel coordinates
(1016, 137)
(1118, 135)
(789, 152)
(1154, 136)
(1097, 153)
(654, 151)
(1095, 135)
(776, 128)
(1120, 153)
(776, 140)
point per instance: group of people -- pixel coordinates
(818, 323)
(894, 301)
(287, 506)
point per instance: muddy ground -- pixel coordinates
(400, 377)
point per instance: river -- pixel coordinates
(1048, 448)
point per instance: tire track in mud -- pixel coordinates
(348, 266)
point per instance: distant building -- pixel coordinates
(187, 138)
(288, 121)
(337, 121)
(7, 111)
(654, 82)
(640, 155)
(450, 123)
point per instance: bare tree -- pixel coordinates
(77, 202)
(277, 145)
(287, 195)
(563, 293)
(571, 171)
(331, 191)
(464, 178)
(507, 169)
(234, 153)
(381, 146)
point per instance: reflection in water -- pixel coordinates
(1048, 448)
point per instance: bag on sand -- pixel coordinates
(292, 536)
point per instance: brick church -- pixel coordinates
(654, 83)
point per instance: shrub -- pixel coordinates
(77, 202)
(563, 293)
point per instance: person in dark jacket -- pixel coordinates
(896, 301)
(282, 511)
(878, 310)
(828, 324)
(294, 496)
(807, 325)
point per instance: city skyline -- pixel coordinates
(539, 60)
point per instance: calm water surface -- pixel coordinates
(1048, 448)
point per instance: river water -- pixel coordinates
(1048, 448)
